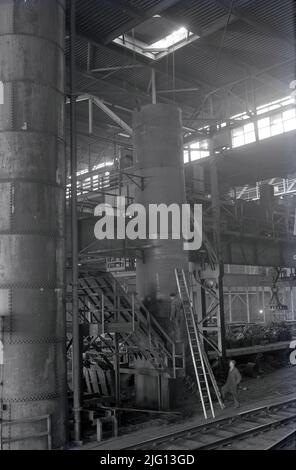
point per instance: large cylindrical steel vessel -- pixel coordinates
(158, 151)
(32, 166)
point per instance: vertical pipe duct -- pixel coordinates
(76, 350)
(158, 147)
(32, 193)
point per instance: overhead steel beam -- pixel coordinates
(179, 90)
(119, 67)
(101, 105)
(119, 88)
(87, 97)
(149, 64)
(201, 31)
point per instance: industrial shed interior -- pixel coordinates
(112, 337)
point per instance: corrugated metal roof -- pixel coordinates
(260, 37)
(196, 13)
(279, 14)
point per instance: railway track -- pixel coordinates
(266, 428)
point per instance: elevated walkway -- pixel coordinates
(106, 309)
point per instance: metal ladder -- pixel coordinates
(203, 372)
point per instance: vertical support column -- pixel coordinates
(248, 305)
(216, 211)
(76, 349)
(263, 304)
(117, 369)
(32, 241)
(230, 305)
(254, 109)
(293, 303)
(153, 86)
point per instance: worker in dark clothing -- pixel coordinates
(175, 317)
(232, 382)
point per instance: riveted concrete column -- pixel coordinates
(32, 35)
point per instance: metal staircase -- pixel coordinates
(105, 308)
(206, 382)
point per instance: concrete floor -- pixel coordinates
(270, 388)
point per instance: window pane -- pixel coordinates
(262, 110)
(186, 156)
(277, 129)
(248, 127)
(289, 100)
(288, 114)
(263, 122)
(274, 106)
(264, 133)
(204, 153)
(290, 125)
(276, 119)
(250, 137)
(239, 131)
(194, 155)
(238, 141)
(194, 145)
(204, 144)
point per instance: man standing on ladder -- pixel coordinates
(232, 382)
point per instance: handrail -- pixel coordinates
(147, 313)
(141, 314)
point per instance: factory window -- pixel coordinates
(289, 120)
(81, 172)
(95, 180)
(86, 184)
(264, 128)
(186, 156)
(282, 121)
(274, 105)
(102, 165)
(277, 124)
(240, 116)
(243, 135)
(198, 150)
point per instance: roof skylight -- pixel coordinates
(174, 38)
(162, 47)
